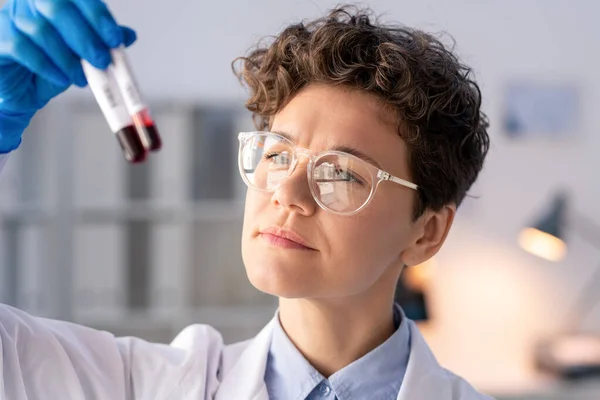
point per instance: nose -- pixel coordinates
(294, 192)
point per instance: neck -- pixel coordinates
(333, 334)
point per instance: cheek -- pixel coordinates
(368, 244)
(256, 203)
(356, 241)
(258, 211)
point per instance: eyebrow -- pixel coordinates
(344, 149)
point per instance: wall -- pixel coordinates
(491, 300)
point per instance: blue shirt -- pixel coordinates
(377, 375)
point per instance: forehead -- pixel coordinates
(321, 117)
(342, 112)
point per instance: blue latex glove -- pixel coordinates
(42, 43)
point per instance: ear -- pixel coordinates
(430, 232)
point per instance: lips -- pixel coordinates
(285, 238)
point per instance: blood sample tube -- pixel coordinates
(136, 107)
(105, 90)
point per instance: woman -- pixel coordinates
(368, 139)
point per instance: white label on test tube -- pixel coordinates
(126, 82)
(106, 92)
(133, 100)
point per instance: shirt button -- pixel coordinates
(325, 389)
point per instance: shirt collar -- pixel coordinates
(377, 374)
(289, 375)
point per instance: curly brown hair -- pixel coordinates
(430, 91)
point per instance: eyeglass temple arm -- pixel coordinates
(388, 177)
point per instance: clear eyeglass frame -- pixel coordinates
(377, 175)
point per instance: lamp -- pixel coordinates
(572, 354)
(546, 237)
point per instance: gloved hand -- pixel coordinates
(42, 43)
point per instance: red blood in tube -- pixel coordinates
(143, 121)
(132, 145)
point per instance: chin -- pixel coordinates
(281, 272)
(281, 280)
(281, 291)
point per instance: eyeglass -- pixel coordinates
(340, 182)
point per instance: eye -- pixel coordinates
(270, 154)
(278, 158)
(348, 176)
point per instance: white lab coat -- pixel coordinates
(54, 360)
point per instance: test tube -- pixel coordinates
(105, 90)
(138, 110)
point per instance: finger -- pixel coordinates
(98, 16)
(16, 46)
(129, 36)
(75, 31)
(45, 37)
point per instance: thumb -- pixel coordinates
(129, 36)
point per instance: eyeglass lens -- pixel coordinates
(341, 183)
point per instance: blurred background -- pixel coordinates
(146, 250)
